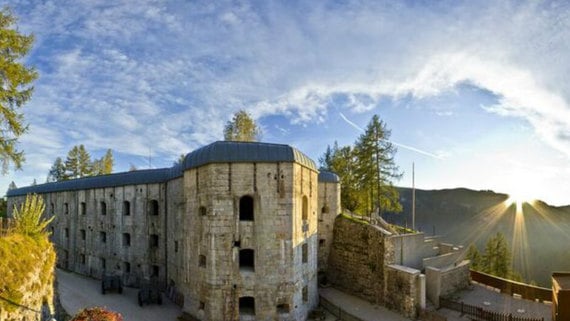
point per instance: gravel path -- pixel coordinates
(78, 292)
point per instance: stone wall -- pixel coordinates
(329, 207)
(402, 290)
(442, 282)
(282, 235)
(356, 261)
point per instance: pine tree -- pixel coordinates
(342, 162)
(85, 168)
(72, 163)
(475, 257)
(57, 171)
(15, 88)
(241, 128)
(497, 257)
(376, 169)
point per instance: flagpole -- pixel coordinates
(413, 197)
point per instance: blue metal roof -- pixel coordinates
(218, 152)
(147, 176)
(246, 152)
(328, 177)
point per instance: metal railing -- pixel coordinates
(510, 287)
(481, 314)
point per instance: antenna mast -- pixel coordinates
(413, 197)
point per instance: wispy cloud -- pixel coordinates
(413, 149)
(170, 74)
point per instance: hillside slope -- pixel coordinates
(538, 235)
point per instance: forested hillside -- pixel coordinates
(538, 234)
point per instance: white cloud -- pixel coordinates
(148, 73)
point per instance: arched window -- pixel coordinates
(305, 213)
(153, 207)
(247, 305)
(247, 260)
(246, 208)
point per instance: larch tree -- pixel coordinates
(15, 88)
(242, 128)
(376, 169)
(78, 163)
(474, 256)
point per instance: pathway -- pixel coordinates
(77, 292)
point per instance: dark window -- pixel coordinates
(65, 208)
(175, 246)
(126, 208)
(202, 210)
(127, 267)
(82, 234)
(325, 209)
(322, 242)
(82, 208)
(305, 213)
(246, 208)
(153, 240)
(155, 270)
(202, 305)
(103, 237)
(305, 294)
(202, 261)
(247, 305)
(103, 208)
(305, 252)
(66, 232)
(126, 239)
(247, 260)
(283, 308)
(52, 209)
(103, 264)
(153, 207)
(82, 258)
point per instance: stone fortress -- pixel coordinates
(240, 231)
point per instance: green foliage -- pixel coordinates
(497, 257)
(104, 165)
(23, 256)
(242, 128)
(29, 219)
(57, 171)
(342, 162)
(97, 314)
(366, 170)
(78, 164)
(15, 87)
(3, 207)
(475, 257)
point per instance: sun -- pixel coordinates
(519, 198)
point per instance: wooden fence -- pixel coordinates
(481, 314)
(509, 287)
(6, 225)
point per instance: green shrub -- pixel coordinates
(29, 219)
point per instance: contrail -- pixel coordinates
(417, 150)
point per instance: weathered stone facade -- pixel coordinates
(386, 269)
(234, 228)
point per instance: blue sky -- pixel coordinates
(475, 92)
